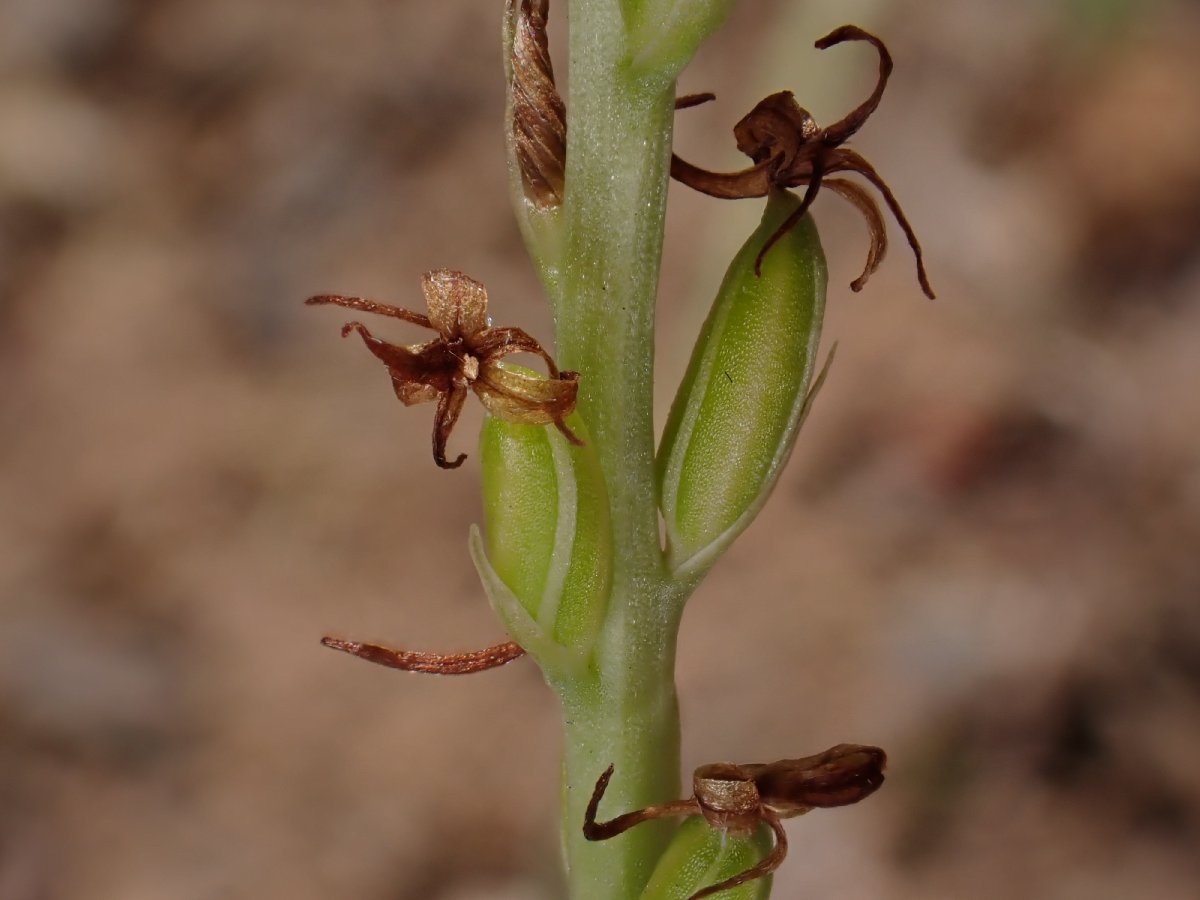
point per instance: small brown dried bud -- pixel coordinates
(538, 116)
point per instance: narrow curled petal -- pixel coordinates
(866, 205)
(752, 182)
(845, 129)
(847, 160)
(429, 663)
(457, 303)
(365, 304)
(602, 831)
(420, 372)
(450, 404)
(517, 396)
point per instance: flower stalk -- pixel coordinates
(619, 128)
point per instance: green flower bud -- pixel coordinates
(547, 525)
(700, 855)
(747, 389)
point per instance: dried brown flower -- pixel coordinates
(789, 150)
(737, 798)
(464, 356)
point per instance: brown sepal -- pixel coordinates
(430, 663)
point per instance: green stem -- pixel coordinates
(626, 714)
(619, 146)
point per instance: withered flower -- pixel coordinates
(736, 798)
(464, 356)
(789, 150)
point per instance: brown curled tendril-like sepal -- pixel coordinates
(789, 150)
(427, 663)
(464, 356)
(737, 798)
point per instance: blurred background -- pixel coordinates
(983, 555)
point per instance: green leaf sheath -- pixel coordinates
(700, 855)
(738, 410)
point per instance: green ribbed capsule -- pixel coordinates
(548, 536)
(700, 855)
(747, 389)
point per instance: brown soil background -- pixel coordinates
(983, 555)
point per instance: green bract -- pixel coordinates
(548, 531)
(700, 855)
(747, 389)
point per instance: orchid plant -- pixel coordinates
(572, 556)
